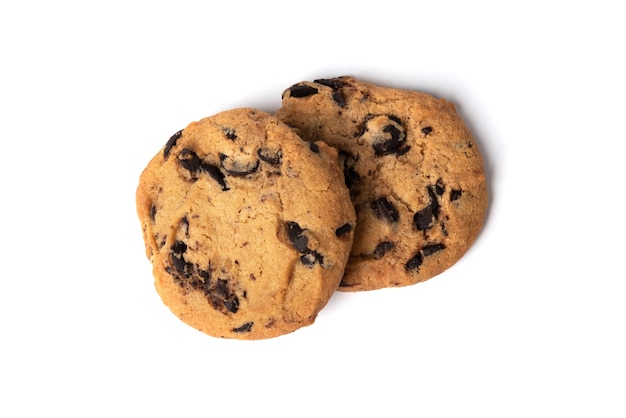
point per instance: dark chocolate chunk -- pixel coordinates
(153, 212)
(237, 168)
(382, 248)
(395, 119)
(215, 174)
(191, 277)
(247, 327)
(423, 218)
(386, 133)
(230, 133)
(343, 230)
(333, 83)
(427, 130)
(432, 249)
(189, 160)
(455, 194)
(390, 143)
(221, 296)
(232, 304)
(181, 267)
(439, 189)
(434, 203)
(350, 175)
(274, 157)
(384, 209)
(221, 287)
(415, 262)
(171, 143)
(339, 98)
(297, 238)
(362, 128)
(314, 147)
(179, 248)
(302, 90)
(300, 242)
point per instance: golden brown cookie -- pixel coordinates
(415, 175)
(248, 227)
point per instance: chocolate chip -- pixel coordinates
(190, 276)
(221, 295)
(382, 248)
(247, 327)
(297, 238)
(181, 267)
(427, 130)
(415, 262)
(432, 249)
(384, 209)
(386, 134)
(302, 90)
(339, 98)
(350, 175)
(314, 147)
(455, 194)
(171, 143)
(153, 212)
(215, 174)
(189, 160)
(434, 203)
(391, 143)
(362, 128)
(230, 133)
(333, 83)
(237, 168)
(439, 189)
(221, 287)
(179, 247)
(343, 230)
(395, 119)
(423, 218)
(273, 157)
(300, 242)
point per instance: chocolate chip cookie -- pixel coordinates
(247, 226)
(414, 171)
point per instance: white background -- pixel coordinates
(530, 323)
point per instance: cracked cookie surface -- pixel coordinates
(247, 226)
(414, 171)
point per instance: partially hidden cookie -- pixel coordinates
(247, 226)
(414, 171)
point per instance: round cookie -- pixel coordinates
(248, 227)
(415, 175)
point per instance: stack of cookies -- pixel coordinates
(252, 220)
